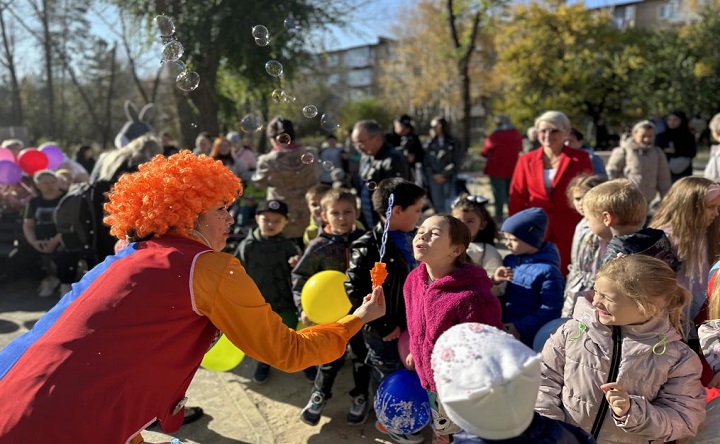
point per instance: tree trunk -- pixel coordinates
(106, 136)
(48, 56)
(16, 118)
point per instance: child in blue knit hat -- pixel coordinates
(534, 292)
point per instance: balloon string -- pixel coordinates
(388, 213)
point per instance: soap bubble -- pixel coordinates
(328, 166)
(188, 80)
(260, 32)
(310, 111)
(290, 23)
(278, 95)
(284, 139)
(165, 25)
(371, 186)
(172, 51)
(262, 41)
(274, 68)
(287, 98)
(328, 122)
(307, 158)
(174, 68)
(251, 123)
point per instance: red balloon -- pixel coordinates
(31, 160)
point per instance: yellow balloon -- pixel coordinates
(223, 356)
(324, 298)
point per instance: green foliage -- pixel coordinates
(365, 108)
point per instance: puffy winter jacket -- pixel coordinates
(287, 178)
(661, 373)
(646, 166)
(534, 297)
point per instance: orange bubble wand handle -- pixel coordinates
(379, 271)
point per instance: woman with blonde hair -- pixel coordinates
(541, 178)
(122, 347)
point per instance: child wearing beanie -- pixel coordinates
(535, 285)
(487, 383)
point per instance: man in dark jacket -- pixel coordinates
(403, 138)
(379, 161)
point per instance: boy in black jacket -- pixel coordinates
(382, 334)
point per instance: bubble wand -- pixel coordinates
(379, 272)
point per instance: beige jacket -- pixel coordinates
(287, 173)
(667, 399)
(646, 166)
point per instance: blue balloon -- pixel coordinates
(545, 331)
(401, 404)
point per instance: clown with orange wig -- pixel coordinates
(143, 319)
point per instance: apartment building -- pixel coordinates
(645, 13)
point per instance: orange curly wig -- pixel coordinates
(168, 194)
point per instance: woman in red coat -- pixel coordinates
(542, 176)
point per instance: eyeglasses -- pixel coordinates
(470, 198)
(551, 131)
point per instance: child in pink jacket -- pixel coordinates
(444, 290)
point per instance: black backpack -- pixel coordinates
(75, 219)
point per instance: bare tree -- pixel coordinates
(465, 52)
(8, 61)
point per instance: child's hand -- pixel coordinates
(502, 274)
(510, 328)
(617, 397)
(409, 362)
(393, 335)
(305, 319)
(294, 260)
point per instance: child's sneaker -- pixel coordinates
(261, 373)
(408, 438)
(313, 410)
(358, 411)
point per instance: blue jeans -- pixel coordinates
(442, 194)
(382, 356)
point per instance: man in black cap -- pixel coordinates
(403, 137)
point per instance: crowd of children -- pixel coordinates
(632, 298)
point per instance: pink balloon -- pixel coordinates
(32, 160)
(7, 154)
(54, 154)
(404, 346)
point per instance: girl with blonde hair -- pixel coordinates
(619, 369)
(688, 216)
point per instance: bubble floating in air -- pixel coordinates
(175, 68)
(290, 23)
(307, 158)
(328, 122)
(328, 166)
(310, 111)
(260, 32)
(251, 123)
(262, 41)
(274, 68)
(278, 95)
(288, 98)
(172, 51)
(284, 139)
(188, 80)
(165, 25)
(371, 186)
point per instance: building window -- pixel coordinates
(333, 79)
(360, 77)
(332, 60)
